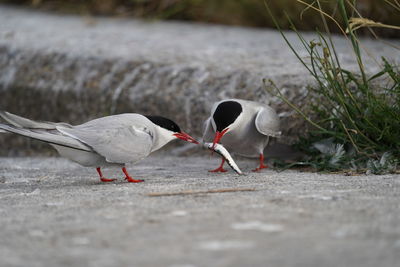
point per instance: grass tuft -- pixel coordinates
(355, 115)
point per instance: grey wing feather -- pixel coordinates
(52, 137)
(267, 122)
(27, 123)
(117, 143)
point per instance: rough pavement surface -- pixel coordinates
(56, 213)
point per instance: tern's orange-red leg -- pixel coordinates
(262, 165)
(129, 178)
(220, 168)
(101, 176)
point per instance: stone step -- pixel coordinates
(74, 68)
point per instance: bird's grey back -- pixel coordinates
(119, 138)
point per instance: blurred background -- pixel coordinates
(238, 12)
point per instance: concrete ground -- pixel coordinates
(56, 213)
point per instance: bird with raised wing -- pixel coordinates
(108, 141)
(243, 127)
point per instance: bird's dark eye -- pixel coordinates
(226, 113)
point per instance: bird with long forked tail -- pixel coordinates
(108, 141)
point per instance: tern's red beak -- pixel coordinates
(218, 136)
(185, 137)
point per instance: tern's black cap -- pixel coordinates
(165, 123)
(226, 113)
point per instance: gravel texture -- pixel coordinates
(56, 213)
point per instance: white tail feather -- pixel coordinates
(43, 135)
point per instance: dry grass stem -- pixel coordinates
(195, 192)
(323, 13)
(395, 6)
(357, 23)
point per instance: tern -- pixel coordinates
(243, 127)
(108, 141)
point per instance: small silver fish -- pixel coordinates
(221, 150)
